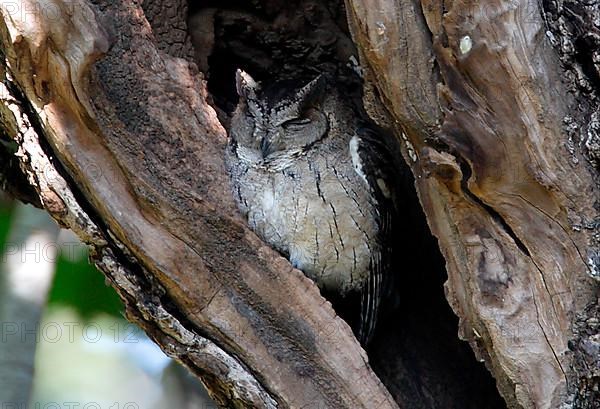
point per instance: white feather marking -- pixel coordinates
(300, 258)
(353, 145)
(268, 200)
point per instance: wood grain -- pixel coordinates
(491, 177)
(143, 151)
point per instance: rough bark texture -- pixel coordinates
(139, 175)
(115, 133)
(505, 198)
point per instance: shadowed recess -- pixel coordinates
(416, 351)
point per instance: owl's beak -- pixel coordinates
(266, 147)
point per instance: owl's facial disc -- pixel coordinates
(297, 133)
(293, 122)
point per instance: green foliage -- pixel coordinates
(5, 213)
(77, 283)
(80, 285)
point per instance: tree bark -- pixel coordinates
(136, 170)
(482, 110)
(116, 134)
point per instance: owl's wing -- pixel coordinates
(378, 168)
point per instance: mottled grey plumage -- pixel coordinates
(311, 182)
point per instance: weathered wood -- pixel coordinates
(117, 137)
(142, 153)
(499, 189)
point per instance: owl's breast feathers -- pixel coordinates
(318, 209)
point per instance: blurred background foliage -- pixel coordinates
(86, 353)
(6, 207)
(78, 284)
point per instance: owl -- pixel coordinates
(309, 174)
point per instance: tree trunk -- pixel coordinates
(117, 132)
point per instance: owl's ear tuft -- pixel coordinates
(245, 85)
(312, 90)
(293, 107)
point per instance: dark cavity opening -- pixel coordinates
(416, 351)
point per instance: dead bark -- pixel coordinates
(512, 207)
(117, 135)
(136, 170)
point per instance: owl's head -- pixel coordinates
(284, 120)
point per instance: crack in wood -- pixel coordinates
(547, 339)
(466, 175)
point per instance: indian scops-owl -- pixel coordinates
(310, 176)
